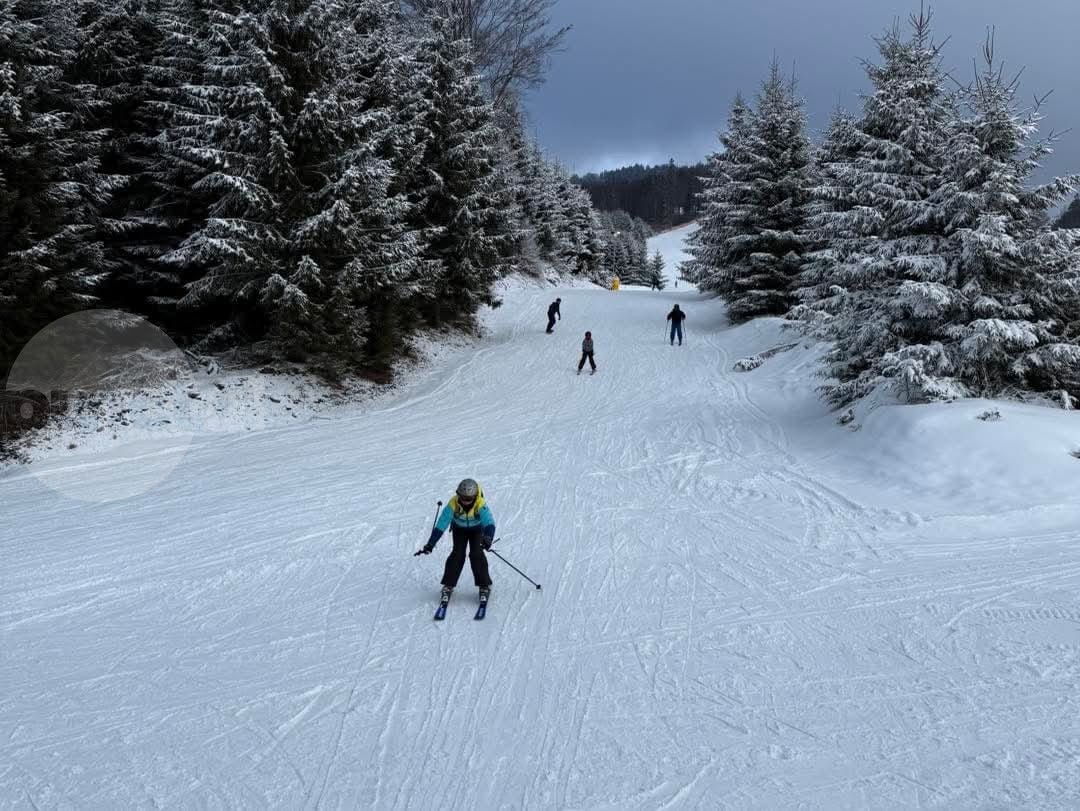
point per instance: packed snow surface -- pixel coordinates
(745, 604)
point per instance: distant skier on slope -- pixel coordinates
(676, 317)
(473, 528)
(587, 352)
(553, 311)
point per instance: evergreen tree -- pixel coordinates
(588, 244)
(888, 229)
(722, 200)
(1070, 218)
(51, 190)
(826, 240)
(552, 229)
(352, 261)
(512, 148)
(624, 239)
(750, 244)
(294, 144)
(656, 266)
(999, 317)
(232, 129)
(168, 147)
(458, 210)
(661, 195)
(117, 46)
(762, 258)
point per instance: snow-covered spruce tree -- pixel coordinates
(591, 252)
(549, 217)
(352, 263)
(229, 130)
(656, 268)
(1070, 218)
(887, 222)
(565, 192)
(762, 255)
(825, 240)
(295, 146)
(585, 241)
(553, 218)
(625, 247)
(458, 205)
(616, 242)
(511, 147)
(529, 179)
(1005, 314)
(520, 168)
(722, 198)
(170, 150)
(116, 47)
(51, 191)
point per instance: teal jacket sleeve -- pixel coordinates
(445, 517)
(442, 524)
(487, 521)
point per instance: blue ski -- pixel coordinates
(444, 598)
(481, 610)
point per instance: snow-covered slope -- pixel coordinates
(744, 604)
(672, 246)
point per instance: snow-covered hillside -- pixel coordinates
(744, 604)
(672, 246)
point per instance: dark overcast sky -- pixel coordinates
(648, 80)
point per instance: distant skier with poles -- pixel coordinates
(676, 317)
(587, 352)
(553, 311)
(473, 528)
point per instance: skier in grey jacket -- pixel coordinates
(586, 352)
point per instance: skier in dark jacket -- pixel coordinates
(553, 311)
(472, 528)
(586, 352)
(676, 317)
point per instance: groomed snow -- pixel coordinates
(745, 604)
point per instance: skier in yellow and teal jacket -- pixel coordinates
(472, 527)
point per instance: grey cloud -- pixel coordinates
(652, 79)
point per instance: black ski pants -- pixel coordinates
(551, 323)
(467, 538)
(581, 363)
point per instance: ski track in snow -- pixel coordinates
(720, 625)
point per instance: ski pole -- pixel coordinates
(437, 508)
(512, 566)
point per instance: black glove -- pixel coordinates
(485, 543)
(429, 547)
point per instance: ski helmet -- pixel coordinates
(588, 334)
(467, 490)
